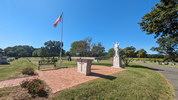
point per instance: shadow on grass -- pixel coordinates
(139, 66)
(103, 76)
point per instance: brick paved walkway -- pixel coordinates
(59, 79)
(14, 82)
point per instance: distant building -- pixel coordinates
(3, 60)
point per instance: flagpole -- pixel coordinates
(61, 38)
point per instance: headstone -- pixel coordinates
(116, 60)
(3, 60)
(84, 66)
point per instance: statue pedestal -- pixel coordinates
(117, 62)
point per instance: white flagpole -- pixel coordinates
(61, 38)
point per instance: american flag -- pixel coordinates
(59, 19)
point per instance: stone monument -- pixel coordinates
(116, 60)
(84, 66)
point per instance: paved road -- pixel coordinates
(169, 72)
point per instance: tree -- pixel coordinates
(19, 51)
(85, 48)
(162, 20)
(67, 53)
(50, 49)
(141, 53)
(82, 47)
(111, 52)
(97, 50)
(88, 40)
(79, 48)
(53, 48)
(36, 53)
(44, 52)
(1, 52)
(128, 51)
(155, 56)
(127, 54)
(167, 46)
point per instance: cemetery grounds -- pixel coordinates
(135, 83)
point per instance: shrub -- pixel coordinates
(35, 87)
(28, 71)
(25, 84)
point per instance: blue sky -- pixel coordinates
(30, 22)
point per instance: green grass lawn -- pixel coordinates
(12, 70)
(103, 62)
(136, 83)
(64, 63)
(15, 68)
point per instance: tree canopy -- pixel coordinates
(162, 20)
(167, 46)
(155, 56)
(141, 53)
(50, 49)
(127, 54)
(128, 51)
(19, 51)
(97, 50)
(111, 52)
(1, 52)
(53, 48)
(79, 48)
(85, 48)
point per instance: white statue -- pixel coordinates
(116, 46)
(116, 59)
